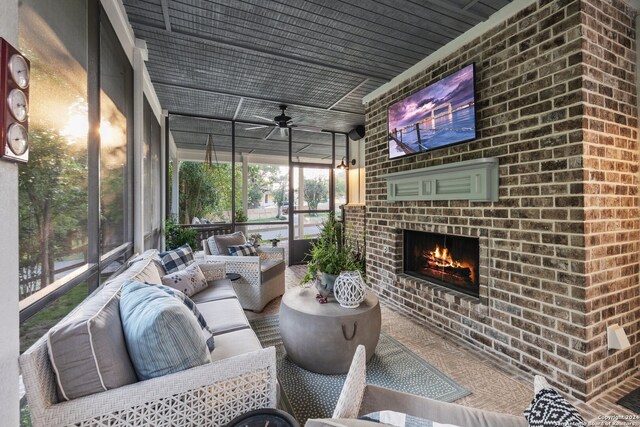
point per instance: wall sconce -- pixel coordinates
(343, 165)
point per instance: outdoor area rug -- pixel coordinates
(305, 394)
(630, 401)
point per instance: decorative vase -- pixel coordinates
(328, 280)
(349, 289)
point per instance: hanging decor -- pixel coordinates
(210, 153)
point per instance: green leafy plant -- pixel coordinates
(177, 235)
(241, 216)
(329, 254)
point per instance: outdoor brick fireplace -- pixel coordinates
(559, 249)
(445, 259)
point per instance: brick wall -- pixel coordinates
(355, 226)
(612, 294)
(561, 244)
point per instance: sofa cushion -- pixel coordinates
(213, 270)
(242, 250)
(144, 271)
(271, 268)
(218, 244)
(235, 343)
(88, 352)
(339, 422)
(189, 280)
(217, 290)
(224, 315)
(162, 334)
(176, 259)
(149, 254)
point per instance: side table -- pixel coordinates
(323, 338)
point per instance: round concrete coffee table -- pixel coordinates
(322, 338)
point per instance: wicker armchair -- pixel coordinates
(359, 398)
(261, 278)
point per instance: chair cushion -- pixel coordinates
(176, 259)
(242, 250)
(217, 290)
(88, 352)
(235, 343)
(399, 419)
(223, 315)
(271, 268)
(162, 334)
(189, 280)
(218, 244)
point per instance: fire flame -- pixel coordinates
(441, 258)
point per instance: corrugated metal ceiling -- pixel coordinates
(239, 59)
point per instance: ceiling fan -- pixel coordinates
(284, 123)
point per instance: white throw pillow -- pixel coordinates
(189, 281)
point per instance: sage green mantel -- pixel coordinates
(475, 180)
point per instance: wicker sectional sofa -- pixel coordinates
(241, 377)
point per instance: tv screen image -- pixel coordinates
(441, 114)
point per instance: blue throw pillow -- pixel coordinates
(176, 259)
(206, 331)
(162, 334)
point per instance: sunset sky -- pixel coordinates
(457, 88)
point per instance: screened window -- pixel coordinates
(116, 133)
(53, 185)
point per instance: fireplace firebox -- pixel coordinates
(445, 259)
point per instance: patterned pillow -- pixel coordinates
(189, 280)
(242, 250)
(161, 333)
(177, 259)
(206, 332)
(549, 408)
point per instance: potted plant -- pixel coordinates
(176, 235)
(329, 256)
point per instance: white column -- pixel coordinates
(139, 57)
(9, 336)
(245, 184)
(300, 202)
(164, 153)
(175, 188)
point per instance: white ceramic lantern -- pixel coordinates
(349, 289)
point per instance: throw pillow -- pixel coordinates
(161, 333)
(223, 241)
(190, 280)
(550, 408)
(88, 351)
(177, 259)
(242, 250)
(399, 419)
(206, 332)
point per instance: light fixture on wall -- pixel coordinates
(343, 164)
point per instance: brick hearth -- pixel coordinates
(556, 105)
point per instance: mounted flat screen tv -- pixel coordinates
(439, 115)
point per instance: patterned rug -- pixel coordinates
(631, 401)
(305, 394)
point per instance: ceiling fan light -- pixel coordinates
(343, 164)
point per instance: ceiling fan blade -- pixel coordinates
(263, 118)
(308, 128)
(257, 127)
